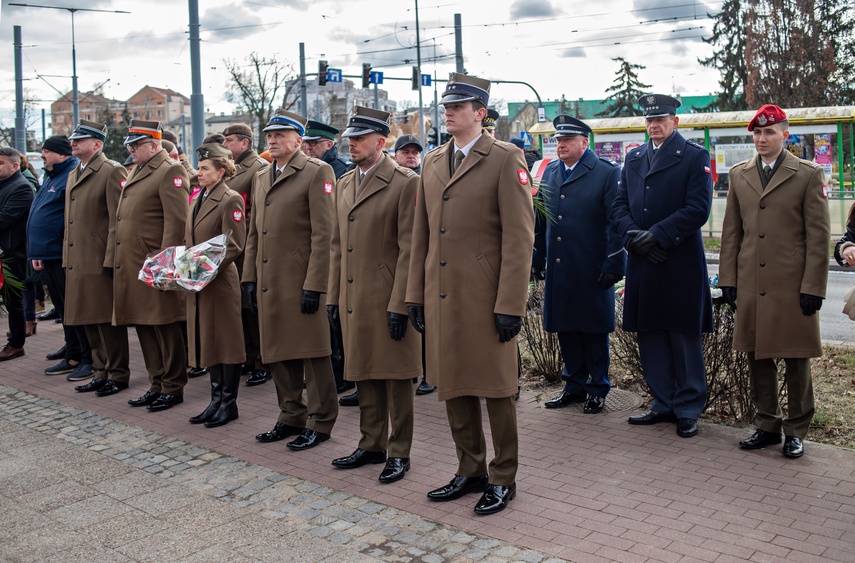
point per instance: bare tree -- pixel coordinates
(254, 86)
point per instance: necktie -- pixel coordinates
(199, 199)
(458, 158)
(276, 174)
(767, 170)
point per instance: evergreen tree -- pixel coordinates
(624, 91)
(114, 147)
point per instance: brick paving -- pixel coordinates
(591, 488)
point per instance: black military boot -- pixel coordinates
(216, 373)
(228, 406)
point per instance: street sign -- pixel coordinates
(426, 80)
(526, 138)
(376, 77)
(333, 75)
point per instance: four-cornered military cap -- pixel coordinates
(658, 105)
(767, 115)
(316, 130)
(405, 140)
(89, 130)
(213, 150)
(365, 120)
(140, 130)
(489, 121)
(284, 120)
(241, 129)
(567, 126)
(463, 88)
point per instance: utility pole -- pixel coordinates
(419, 64)
(458, 43)
(20, 125)
(304, 106)
(197, 100)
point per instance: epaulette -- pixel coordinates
(608, 161)
(694, 144)
(261, 161)
(408, 172)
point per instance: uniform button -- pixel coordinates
(762, 293)
(350, 249)
(762, 264)
(266, 203)
(72, 198)
(442, 262)
(762, 206)
(762, 235)
(445, 198)
(70, 244)
(118, 266)
(124, 196)
(71, 267)
(562, 196)
(264, 290)
(349, 311)
(646, 187)
(442, 229)
(72, 220)
(560, 217)
(558, 260)
(558, 239)
(349, 280)
(351, 218)
(677, 239)
(264, 232)
(118, 243)
(645, 210)
(264, 260)
(442, 294)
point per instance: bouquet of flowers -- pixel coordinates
(177, 267)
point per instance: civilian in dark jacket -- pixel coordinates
(45, 231)
(16, 195)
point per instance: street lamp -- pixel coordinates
(74, 97)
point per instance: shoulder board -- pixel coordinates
(694, 144)
(408, 172)
(261, 161)
(810, 163)
(113, 163)
(608, 161)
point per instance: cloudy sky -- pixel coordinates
(560, 47)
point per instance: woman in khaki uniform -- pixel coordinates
(213, 314)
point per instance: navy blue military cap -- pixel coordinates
(567, 126)
(465, 88)
(489, 121)
(658, 105)
(367, 120)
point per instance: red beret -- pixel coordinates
(767, 115)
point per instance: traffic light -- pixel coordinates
(322, 73)
(417, 80)
(431, 135)
(366, 75)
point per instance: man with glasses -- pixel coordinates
(149, 218)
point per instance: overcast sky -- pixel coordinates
(560, 47)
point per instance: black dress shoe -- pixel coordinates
(147, 399)
(280, 432)
(196, 372)
(594, 404)
(687, 427)
(93, 385)
(258, 377)
(359, 458)
(495, 499)
(395, 469)
(246, 369)
(165, 401)
(58, 355)
(345, 386)
(351, 400)
(49, 316)
(424, 388)
(651, 417)
(793, 447)
(111, 388)
(308, 439)
(563, 400)
(458, 487)
(760, 439)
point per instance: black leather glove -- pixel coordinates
(333, 317)
(108, 272)
(657, 255)
(606, 280)
(311, 302)
(417, 317)
(641, 242)
(508, 326)
(810, 304)
(249, 294)
(397, 325)
(538, 273)
(729, 294)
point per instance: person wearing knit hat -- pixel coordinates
(285, 272)
(151, 212)
(774, 251)
(94, 189)
(238, 138)
(58, 144)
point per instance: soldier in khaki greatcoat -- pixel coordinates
(473, 236)
(91, 197)
(149, 218)
(285, 272)
(238, 139)
(370, 254)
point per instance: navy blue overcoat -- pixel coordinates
(671, 198)
(579, 243)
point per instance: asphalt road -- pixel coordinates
(834, 325)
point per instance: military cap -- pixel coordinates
(284, 120)
(517, 142)
(317, 130)
(241, 129)
(213, 150)
(489, 121)
(168, 146)
(405, 140)
(767, 115)
(128, 161)
(567, 126)
(464, 88)
(365, 120)
(658, 105)
(89, 130)
(140, 130)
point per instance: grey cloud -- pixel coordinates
(530, 9)
(573, 53)
(229, 22)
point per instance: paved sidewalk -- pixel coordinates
(83, 478)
